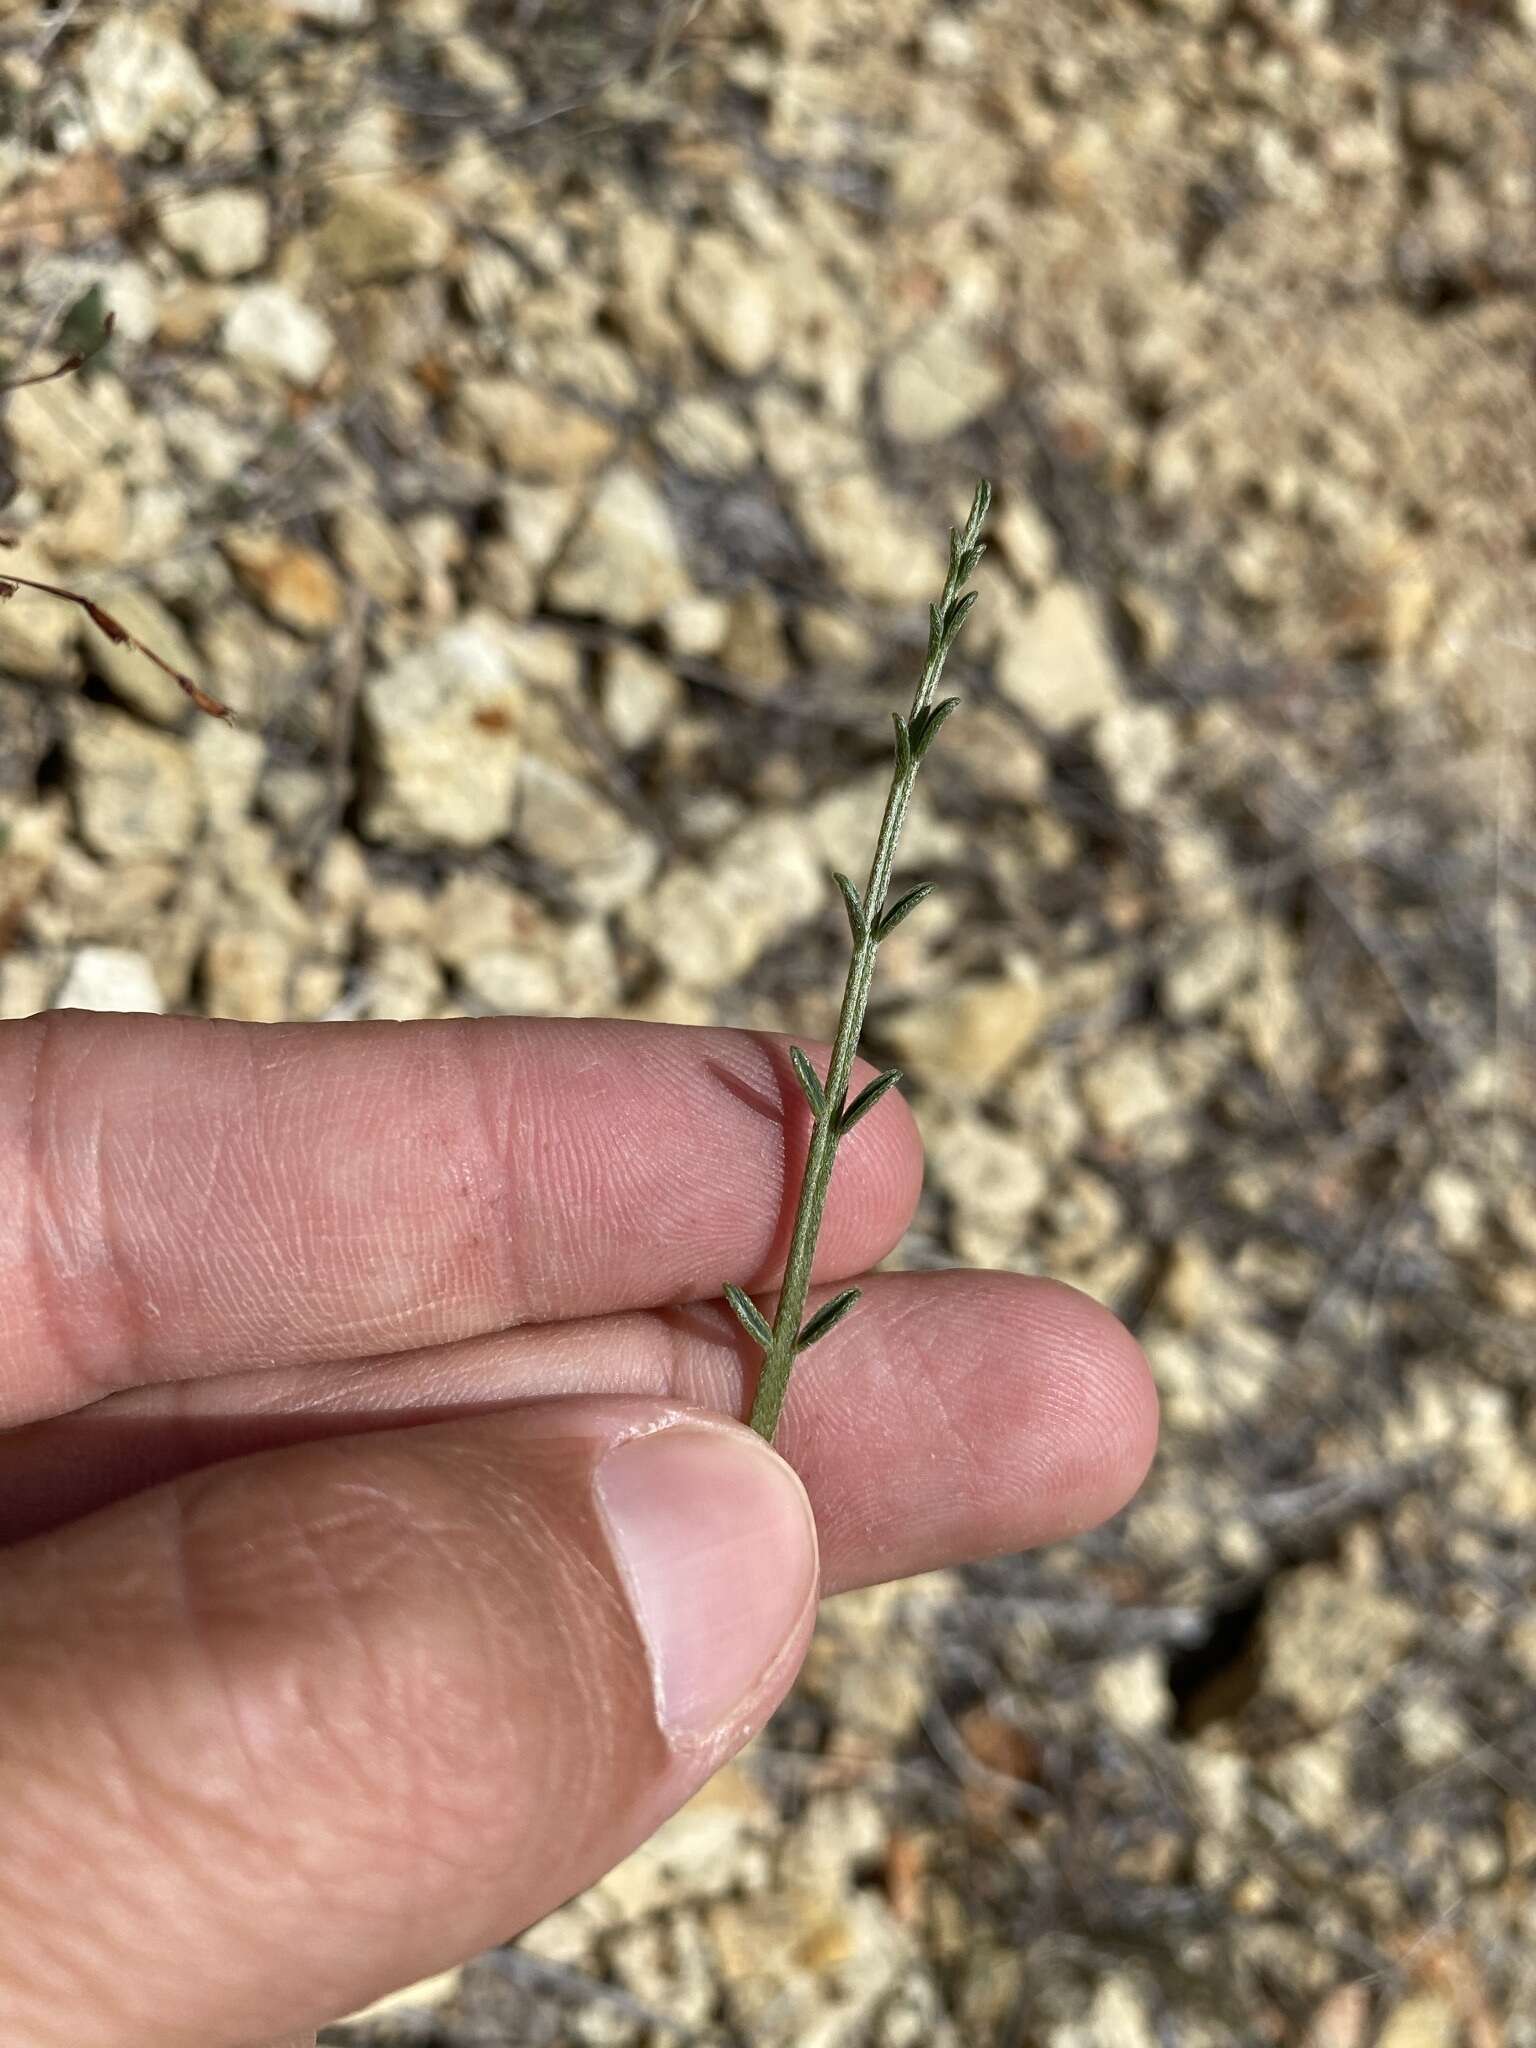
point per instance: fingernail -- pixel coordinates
(714, 1537)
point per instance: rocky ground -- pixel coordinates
(537, 419)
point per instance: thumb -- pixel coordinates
(320, 1722)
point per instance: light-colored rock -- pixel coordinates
(666, 1963)
(227, 761)
(550, 656)
(706, 436)
(707, 1848)
(247, 974)
(870, 1691)
(1458, 1204)
(144, 85)
(624, 562)
(563, 820)
(990, 744)
(508, 982)
(396, 910)
(1313, 1779)
(110, 978)
(1211, 967)
(834, 640)
(214, 449)
(1131, 1692)
(92, 901)
(135, 793)
(294, 797)
(1343, 2020)
(1118, 2018)
(833, 1838)
(139, 683)
(1329, 1641)
(755, 651)
(293, 583)
(401, 983)
(1127, 1088)
(1047, 1114)
(640, 696)
(941, 379)
(709, 925)
(270, 331)
(69, 431)
(729, 301)
(245, 857)
(537, 519)
(479, 913)
(27, 984)
(1427, 2021)
(967, 1040)
(225, 231)
(376, 232)
(443, 726)
(994, 1183)
(1023, 537)
(1207, 1381)
(90, 524)
(1057, 664)
(532, 432)
(1137, 746)
(1197, 1291)
(872, 542)
(370, 548)
(39, 637)
(1433, 1731)
(333, 14)
(1520, 1645)
(802, 1969)
(696, 624)
(803, 447)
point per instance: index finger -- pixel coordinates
(180, 1198)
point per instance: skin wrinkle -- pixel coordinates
(40, 1270)
(132, 1346)
(494, 1120)
(593, 1730)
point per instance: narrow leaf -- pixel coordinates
(935, 629)
(924, 735)
(981, 505)
(898, 912)
(903, 744)
(750, 1316)
(958, 613)
(805, 1074)
(857, 922)
(864, 1102)
(827, 1317)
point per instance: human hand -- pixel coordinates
(298, 1702)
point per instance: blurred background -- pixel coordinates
(538, 419)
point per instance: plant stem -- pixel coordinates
(913, 739)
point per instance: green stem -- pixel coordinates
(779, 1360)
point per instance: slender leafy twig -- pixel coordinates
(69, 364)
(98, 615)
(869, 921)
(115, 631)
